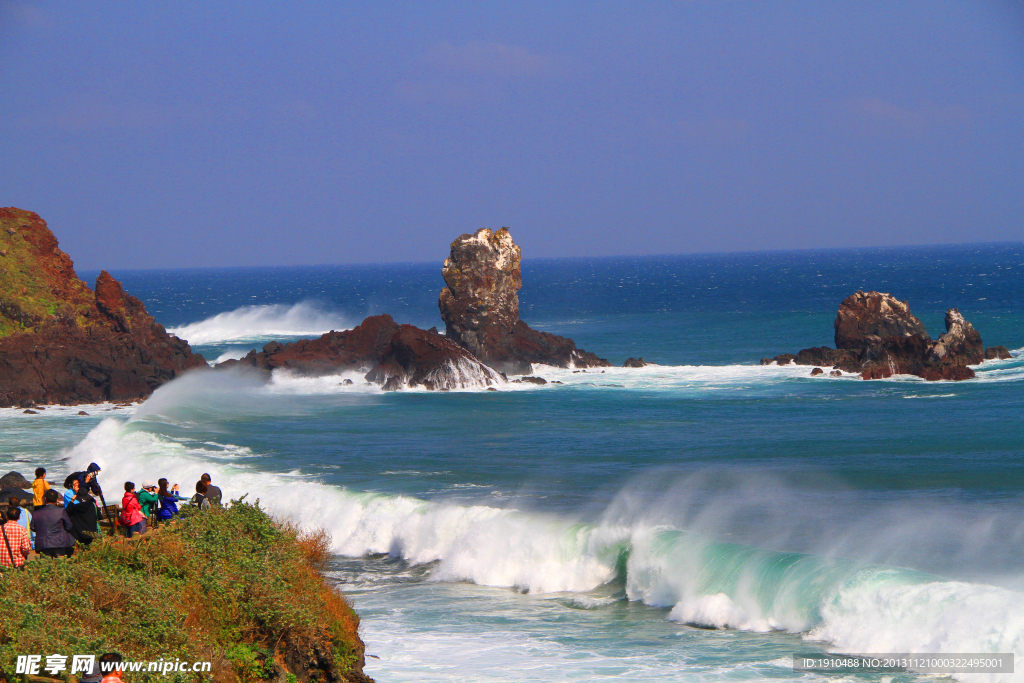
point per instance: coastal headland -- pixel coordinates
(230, 587)
(61, 342)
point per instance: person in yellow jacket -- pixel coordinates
(39, 487)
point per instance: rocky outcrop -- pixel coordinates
(62, 343)
(997, 353)
(877, 336)
(480, 308)
(865, 318)
(634, 363)
(419, 358)
(392, 355)
(358, 349)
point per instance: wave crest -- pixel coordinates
(259, 323)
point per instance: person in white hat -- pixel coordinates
(148, 498)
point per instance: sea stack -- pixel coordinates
(877, 336)
(480, 308)
(60, 342)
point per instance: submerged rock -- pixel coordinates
(877, 336)
(480, 308)
(60, 342)
(535, 380)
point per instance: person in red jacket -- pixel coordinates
(131, 511)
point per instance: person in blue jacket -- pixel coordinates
(168, 500)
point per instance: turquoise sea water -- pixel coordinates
(700, 519)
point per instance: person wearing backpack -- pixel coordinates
(15, 546)
(200, 500)
(131, 515)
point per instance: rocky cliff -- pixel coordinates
(392, 355)
(877, 336)
(60, 342)
(480, 308)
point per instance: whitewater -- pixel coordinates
(700, 519)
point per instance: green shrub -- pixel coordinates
(226, 585)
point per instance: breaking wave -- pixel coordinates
(676, 561)
(262, 323)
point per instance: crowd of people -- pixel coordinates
(53, 525)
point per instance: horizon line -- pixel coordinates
(581, 258)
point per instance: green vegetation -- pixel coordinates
(35, 283)
(227, 585)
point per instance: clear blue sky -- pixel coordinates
(181, 134)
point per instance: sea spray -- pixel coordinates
(262, 323)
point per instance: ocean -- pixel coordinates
(700, 519)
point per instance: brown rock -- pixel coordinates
(865, 317)
(82, 412)
(16, 480)
(480, 308)
(835, 373)
(997, 353)
(781, 359)
(61, 343)
(877, 336)
(393, 356)
(816, 371)
(357, 349)
(634, 363)
(417, 357)
(535, 380)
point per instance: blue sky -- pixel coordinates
(221, 134)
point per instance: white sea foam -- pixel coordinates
(232, 354)
(262, 323)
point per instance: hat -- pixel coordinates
(147, 483)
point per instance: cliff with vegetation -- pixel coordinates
(228, 585)
(61, 342)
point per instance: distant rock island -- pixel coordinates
(877, 336)
(61, 342)
(484, 340)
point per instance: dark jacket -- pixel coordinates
(92, 486)
(213, 494)
(52, 524)
(84, 516)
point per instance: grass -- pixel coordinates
(228, 585)
(27, 296)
